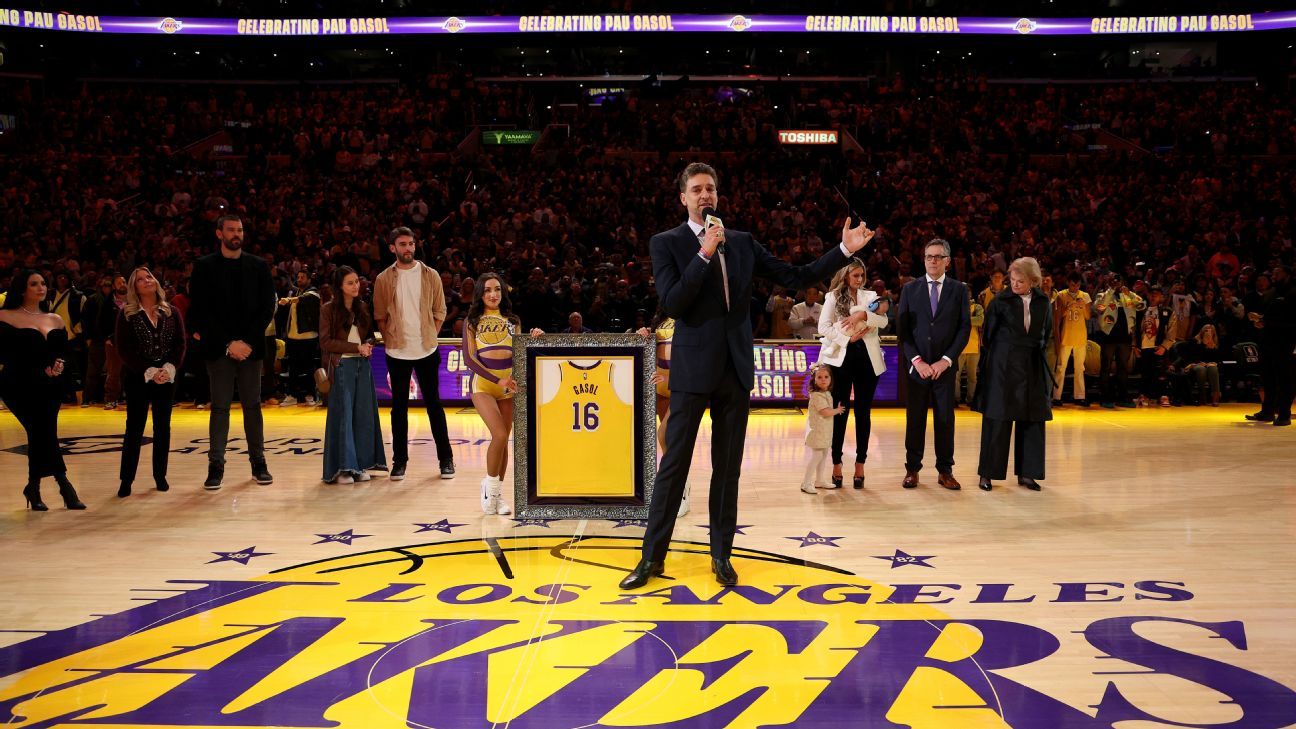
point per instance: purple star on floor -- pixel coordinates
(241, 556)
(341, 537)
(533, 522)
(813, 539)
(900, 559)
(443, 526)
(629, 522)
(737, 529)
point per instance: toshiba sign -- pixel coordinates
(791, 136)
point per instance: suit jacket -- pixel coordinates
(933, 337)
(219, 318)
(1014, 381)
(690, 290)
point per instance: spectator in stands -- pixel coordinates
(969, 360)
(1154, 340)
(803, 319)
(1072, 309)
(576, 324)
(1117, 308)
(301, 339)
(1198, 359)
(779, 308)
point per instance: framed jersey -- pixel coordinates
(584, 425)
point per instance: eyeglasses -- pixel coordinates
(935, 258)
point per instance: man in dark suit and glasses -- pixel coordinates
(933, 323)
(704, 280)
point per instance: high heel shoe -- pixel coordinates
(32, 494)
(836, 480)
(69, 494)
(859, 482)
(124, 490)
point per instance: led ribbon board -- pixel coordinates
(651, 23)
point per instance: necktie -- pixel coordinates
(1026, 309)
(935, 296)
(724, 270)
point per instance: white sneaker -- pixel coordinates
(808, 488)
(684, 504)
(363, 475)
(345, 478)
(288, 402)
(310, 399)
(489, 496)
(501, 506)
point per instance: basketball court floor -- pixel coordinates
(1152, 583)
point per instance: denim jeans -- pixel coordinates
(352, 436)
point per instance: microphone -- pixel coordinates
(710, 219)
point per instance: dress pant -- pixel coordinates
(1276, 376)
(428, 371)
(224, 373)
(1115, 361)
(730, 404)
(938, 396)
(36, 406)
(140, 396)
(303, 356)
(855, 373)
(1028, 455)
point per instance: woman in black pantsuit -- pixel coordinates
(32, 346)
(1015, 382)
(150, 338)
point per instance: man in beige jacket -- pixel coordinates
(409, 308)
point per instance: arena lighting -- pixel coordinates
(652, 23)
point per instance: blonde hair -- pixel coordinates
(1029, 268)
(841, 286)
(132, 297)
(1214, 334)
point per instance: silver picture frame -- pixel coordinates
(584, 346)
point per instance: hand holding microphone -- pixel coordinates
(713, 239)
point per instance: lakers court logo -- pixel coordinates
(533, 633)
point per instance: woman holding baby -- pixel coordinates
(852, 316)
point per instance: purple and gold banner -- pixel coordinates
(782, 368)
(652, 23)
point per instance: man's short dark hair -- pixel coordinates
(222, 220)
(697, 168)
(1075, 277)
(399, 232)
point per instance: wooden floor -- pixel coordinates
(1152, 581)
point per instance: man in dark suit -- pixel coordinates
(704, 280)
(933, 324)
(233, 301)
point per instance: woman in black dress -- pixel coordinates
(32, 344)
(150, 339)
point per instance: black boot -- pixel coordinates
(32, 494)
(640, 575)
(68, 493)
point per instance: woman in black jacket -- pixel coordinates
(150, 339)
(1015, 383)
